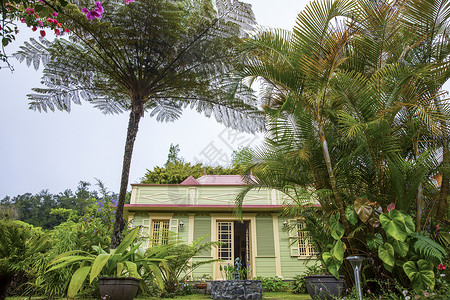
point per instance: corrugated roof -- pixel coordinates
(190, 181)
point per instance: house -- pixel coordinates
(202, 206)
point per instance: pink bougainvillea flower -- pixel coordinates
(29, 11)
(41, 23)
(42, 32)
(391, 207)
(96, 13)
(57, 32)
(22, 20)
(34, 28)
(128, 1)
(441, 267)
(66, 30)
(99, 7)
(59, 25)
(55, 14)
(42, 1)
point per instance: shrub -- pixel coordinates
(274, 284)
(20, 245)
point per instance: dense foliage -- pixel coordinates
(48, 210)
(176, 169)
(358, 123)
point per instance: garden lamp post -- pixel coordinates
(356, 262)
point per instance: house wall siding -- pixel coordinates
(290, 266)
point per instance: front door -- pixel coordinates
(225, 235)
(235, 238)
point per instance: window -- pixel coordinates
(160, 232)
(225, 235)
(299, 240)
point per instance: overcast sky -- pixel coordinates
(56, 150)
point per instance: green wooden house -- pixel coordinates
(197, 207)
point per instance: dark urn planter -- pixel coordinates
(324, 286)
(236, 290)
(118, 288)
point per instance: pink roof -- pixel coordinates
(190, 181)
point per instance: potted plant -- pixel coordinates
(321, 284)
(203, 284)
(119, 271)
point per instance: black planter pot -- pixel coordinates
(118, 288)
(324, 286)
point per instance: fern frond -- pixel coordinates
(428, 248)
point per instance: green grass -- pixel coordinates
(266, 296)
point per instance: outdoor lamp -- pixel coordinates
(356, 262)
(181, 225)
(285, 224)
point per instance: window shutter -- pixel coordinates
(293, 237)
(174, 225)
(145, 232)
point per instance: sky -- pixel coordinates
(54, 151)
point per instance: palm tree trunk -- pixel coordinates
(136, 114)
(337, 196)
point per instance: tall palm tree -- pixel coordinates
(349, 77)
(430, 21)
(349, 95)
(154, 56)
(298, 70)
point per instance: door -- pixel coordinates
(225, 234)
(248, 259)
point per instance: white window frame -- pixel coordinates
(147, 230)
(300, 242)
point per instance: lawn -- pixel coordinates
(266, 296)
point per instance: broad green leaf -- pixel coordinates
(332, 263)
(77, 281)
(158, 276)
(132, 269)
(338, 251)
(68, 260)
(401, 248)
(119, 269)
(97, 265)
(68, 253)
(337, 229)
(351, 215)
(127, 241)
(409, 223)
(421, 275)
(363, 209)
(388, 267)
(386, 254)
(394, 225)
(374, 240)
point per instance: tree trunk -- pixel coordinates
(442, 207)
(136, 114)
(337, 196)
